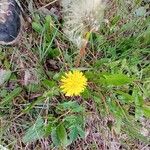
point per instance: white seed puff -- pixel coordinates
(80, 17)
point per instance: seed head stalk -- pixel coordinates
(82, 51)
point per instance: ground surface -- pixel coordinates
(112, 113)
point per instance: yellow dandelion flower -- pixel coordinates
(73, 83)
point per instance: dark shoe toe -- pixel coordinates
(10, 29)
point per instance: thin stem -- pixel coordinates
(82, 51)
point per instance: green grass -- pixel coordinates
(113, 109)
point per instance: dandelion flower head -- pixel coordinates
(80, 17)
(73, 83)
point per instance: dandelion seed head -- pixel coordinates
(80, 17)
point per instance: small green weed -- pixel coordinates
(116, 98)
